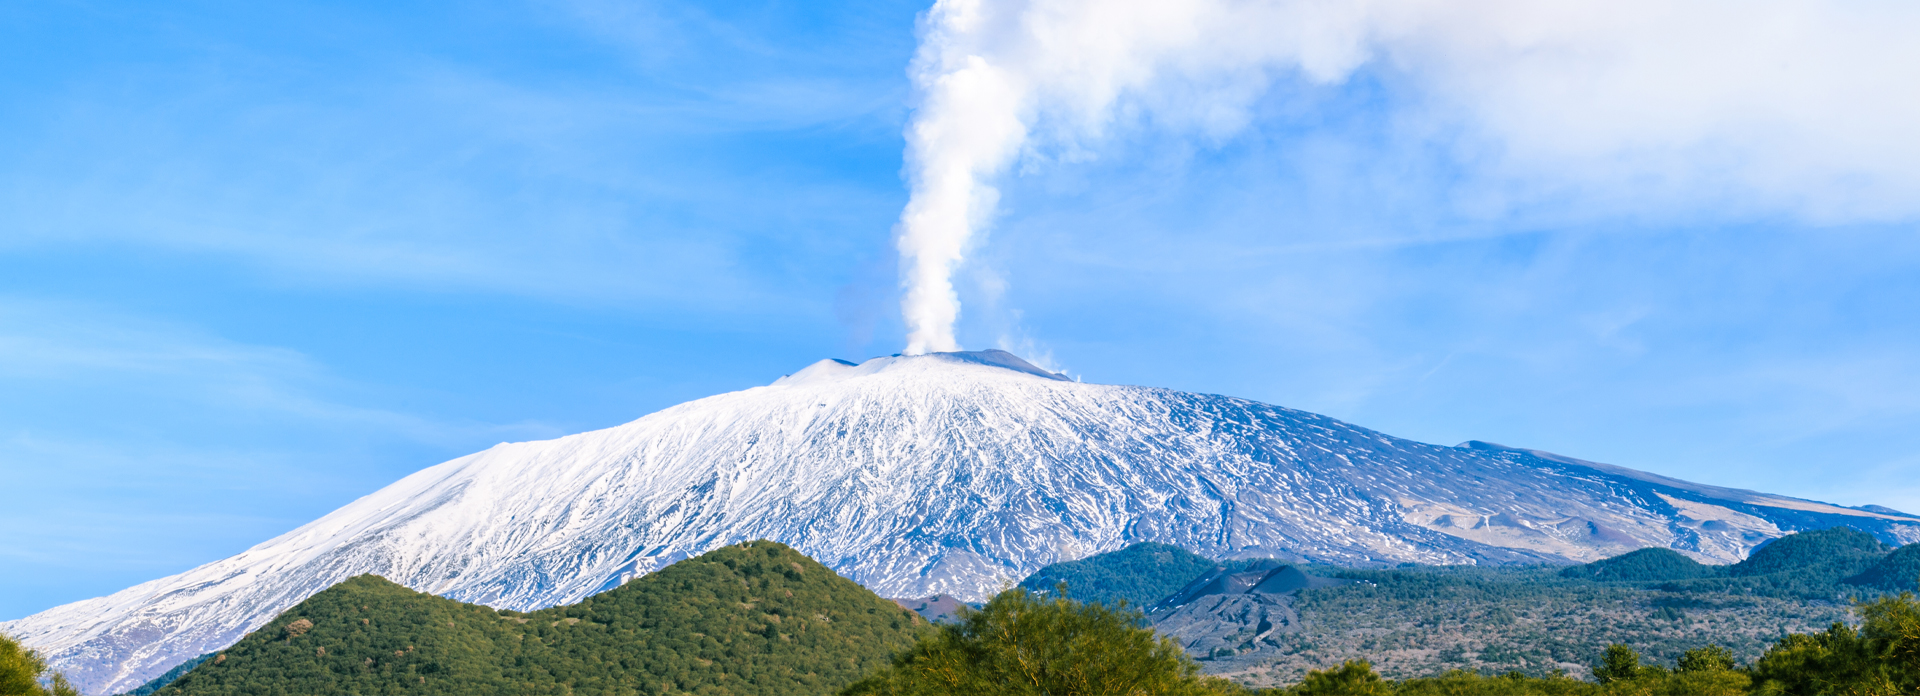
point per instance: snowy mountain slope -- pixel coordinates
(946, 473)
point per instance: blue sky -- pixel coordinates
(256, 262)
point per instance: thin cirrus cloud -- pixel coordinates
(89, 349)
(541, 164)
(336, 196)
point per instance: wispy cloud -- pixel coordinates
(427, 167)
(79, 347)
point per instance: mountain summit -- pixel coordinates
(947, 473)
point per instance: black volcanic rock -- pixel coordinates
(937, 609)
(1263, 576)
(1235, 609)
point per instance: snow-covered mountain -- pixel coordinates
(945, 473)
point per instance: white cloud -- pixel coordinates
(1803, 107)
(1567, 111)
(1774, 107)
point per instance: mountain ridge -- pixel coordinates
(946, 473)
(753, 618)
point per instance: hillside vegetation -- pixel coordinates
(1879, 658)
(760, 618)
(1020, 645)
(1894, 573)
(1411, 622)
(1139, 575)
(1806, 565)
(1644, 565)
(1420, 622)
(757, 618)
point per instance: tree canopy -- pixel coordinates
(24, 673)
(1020, 644)
(1138, 575)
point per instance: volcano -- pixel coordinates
(947, 473)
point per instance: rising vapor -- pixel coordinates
(1740, 108)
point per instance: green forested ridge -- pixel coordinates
(1897, 571)
(1805, 565)
(1809, 565)
(1644, 565)
(1839, 551)
(1140, 574)
(757, 618)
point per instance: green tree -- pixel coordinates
(1712, 658)
(1019, 644)
(1354, 678)
(22, 672)
(1882, 657)
(1890, 627)
(1620, 664)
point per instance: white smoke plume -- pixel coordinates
(1741, 108)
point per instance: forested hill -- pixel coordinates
(757, 618)
(1827, 564)
(1139, 575)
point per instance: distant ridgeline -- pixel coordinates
(1815, 565)
(757, 618)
